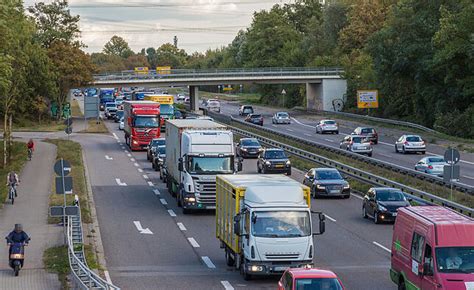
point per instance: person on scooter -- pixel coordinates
(17, 236)
(31, 145)
(13, 180)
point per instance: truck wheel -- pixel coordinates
(401, 284)
(288, 173)
(244, 273)
(229, 259)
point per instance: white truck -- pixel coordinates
(264, 223)
(196, 151)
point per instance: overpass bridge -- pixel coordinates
(323, 85)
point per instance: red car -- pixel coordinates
(309, 279)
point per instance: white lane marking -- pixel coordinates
(171, 212)
(208, 262)
(118, 141)
(468, 162)
(470, 177)
(181, 226)
(357, 196)
(379, 245)
(146, 176)
(156, 192)
(309, 135)
(119, 182)
(107, 277)
(139, 227)
(140, 170)
(150, 183)
(384, 143)
(330, 218)
(129, 155)
(108, 157)
(132, 159)
(136, 164)
(126, 151)
(329, 140)
(289, 130)
(123, 147)
(115, 136)
(193, 243)
(274, 126)
(386, 155)
(163, 201)
(227, 285)
(298, 122)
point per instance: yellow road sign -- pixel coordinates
(367, 99)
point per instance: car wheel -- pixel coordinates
(288, 173)
(337, 132)
(364, 212)
(403, 150)
(376, 218)
(423, 152)
(376, 142)
(264, 171)
(258, 169)
(396, 148)
(347, 196)
(370, 154)
(245, 274)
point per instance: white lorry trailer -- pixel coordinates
(196, 151)
(264, 223)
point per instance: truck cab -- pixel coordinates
(166, 106)
(141, 123)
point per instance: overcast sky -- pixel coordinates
(198, 24)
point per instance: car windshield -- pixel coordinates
(367, 130)
(413, 139)
(119, 114)
(455, 259)
(330, 122)
(158, 142)
(328, 174)
(317, 284)
(359, 140)
(161, 150)
(110, 105)
(253, 143)
(166, 109)
(210, 165)
(275, 154)
(213, 104)
(390, 195)
(256, 116)
(281, 224)
(436, 160)
(283, 115)
(247, 110)
(146, 122)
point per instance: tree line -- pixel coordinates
(418, 54)
(40, 61)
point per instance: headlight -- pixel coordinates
(260, 149)
(288, 162)
(382, 208)
(268, 163)
(243, 149)
(347, 186)
(190, 199)
(135, 142)
(319, 186)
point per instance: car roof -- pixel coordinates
(253, 139)
(282, 112)
(325, 120)
(273, 149)
(311, 273)
(161, 138)
(386, 189)
(326, 169)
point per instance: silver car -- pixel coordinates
(121, 124)
(410, 143)
(432, 165)
(327, 126)
(281, 118)
(357, 144)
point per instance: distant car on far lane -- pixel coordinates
(244, 110)
(357, 144)
(432, 165)
(281, 118)
(382, 203)
(256, 119)
(410, 143)
(368, 132)
(327, 126)
(309, 278)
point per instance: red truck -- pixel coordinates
(141, 123)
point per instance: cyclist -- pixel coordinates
(13, 180)
(31, 146)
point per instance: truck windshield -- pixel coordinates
(455, 259)
(146, 122)
(281, 224)
(318, 284)
(166, 109)
(210, 165)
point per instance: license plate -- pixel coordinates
(335, 191)
(211, 207)
(394, 214)
(279, 166)
(280, 269)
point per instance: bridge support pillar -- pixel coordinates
(194, 98)
(325, 95)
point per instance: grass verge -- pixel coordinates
(56, 261)
(93, 127)
(18, 160)
(72, 152)
(75, 109)
(35, 126)
(441, 191)
(91, 257)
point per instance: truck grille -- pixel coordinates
(282, 256)
(206, 192)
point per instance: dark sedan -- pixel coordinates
(326, 182)
(382, 203)
(256, 119)
(248, 147)
(273, 160)
(150, 152)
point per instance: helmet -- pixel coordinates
(18, 227)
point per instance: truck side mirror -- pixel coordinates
(237, 224)
(322, 223)
(129, 121)
(180, 164)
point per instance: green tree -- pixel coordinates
(169, 55)
(117, 46)
(107, 63)
(136, 60)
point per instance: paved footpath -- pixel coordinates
(31, 210)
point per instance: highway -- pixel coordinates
(150, 244)
(304, 127)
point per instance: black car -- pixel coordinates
(150, 150)
(326, 182)
(382, 203)
(273, 160)
(248, 147)
(118, 116)
(178, 114)
(159, 157)
(256, 119)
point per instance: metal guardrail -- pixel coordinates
(84, 277)
(353, 172)
(209, 73)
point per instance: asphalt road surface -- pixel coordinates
(150, 244)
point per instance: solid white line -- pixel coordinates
(470, 177)
(126, 151)
(136, 164)
(156, 192)
(146, 176)
(171, 212)
(379, 245)
(193, 243)
(107, 277)
(330, 218)
(163, 201)
(384, 143)
(208, 262)
(115, 136)
(357, 196)
(181, 226)
(386, 155)
(129, 155)
(329, 140)
(468, 162)
(309, 135)
(140, 170)
(150, 183)
(298, 122)
(289, 130)
(274, 126)
(119, 182)
(227, 285)
(132, 159)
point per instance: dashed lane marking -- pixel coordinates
(163, 201)
(115, 136)
(132, 159)
(357, 196)
(208, 262)
(156, 192)
(150, 183)
(108, 157)
(140, 170)
(119, 182)
(129, 155)
(227, 285)
(146, 176)
(381, 246)
(171, 212)
(181, 226)
(386, 155)
(289, 130)
(136, 164)
(309, 135)
(193, 242)
(329, 140)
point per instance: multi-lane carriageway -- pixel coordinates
(150, 244)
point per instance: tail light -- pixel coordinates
(430, 167)
(406, 142)
(352, 142)
(422, 142)
(261, 118)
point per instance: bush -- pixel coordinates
(456, 123)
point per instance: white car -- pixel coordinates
(327, 126)
(121, 124)
(180, 98)
(213, 105)
(281, 118)
(410, 143)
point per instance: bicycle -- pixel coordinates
(12, 193)
(30, 153)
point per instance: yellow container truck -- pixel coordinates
(264, 223)
(166, 107)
